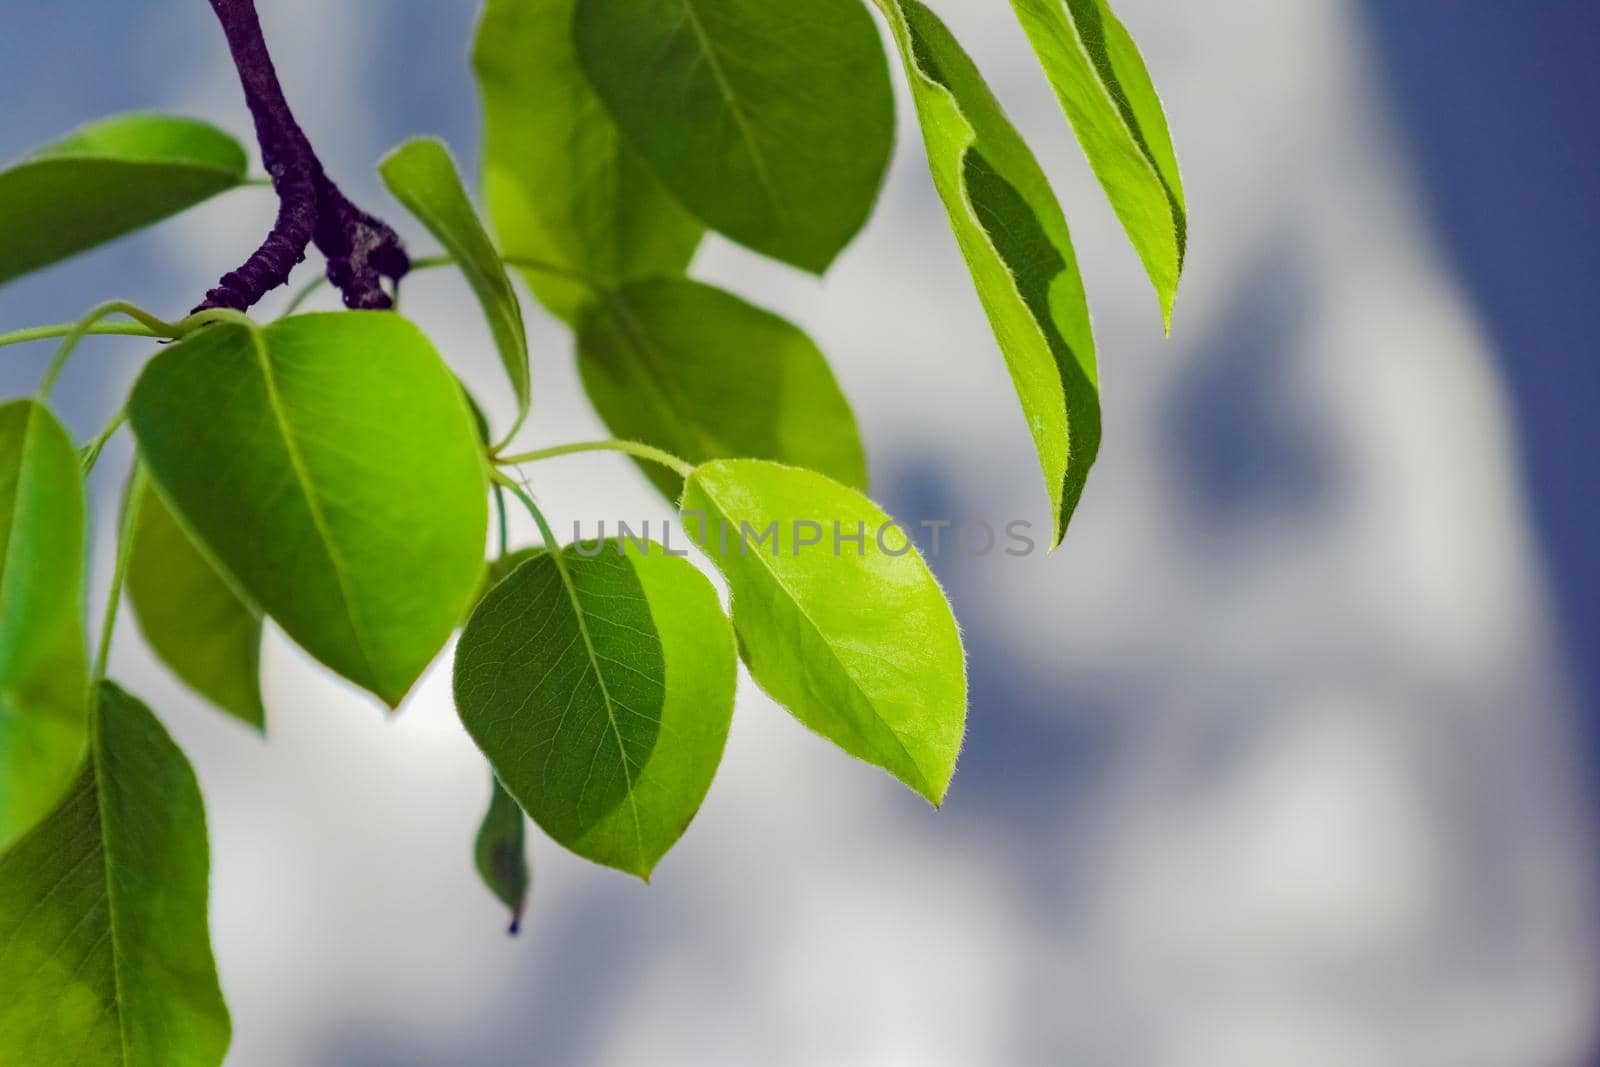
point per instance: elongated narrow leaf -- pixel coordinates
(108, 179)
(839, 618)
(105, 955)
(422, 177)
(1017, 247)
(193, 618)
(43, 665)
(699, 372)
(330, 465)
(772, 120)
(501, 852)
(1107, 94)
(561, 185)
(600, 686)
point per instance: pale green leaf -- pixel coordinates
(704, 375)
(191, 615)
(43, 661)
(422, 177)
(108, 179)
(839, 618)
(501, 852)
(600, 686)
(1107, 94)
(1016, 245)
(105, 952)
(330, 465)
(772, 121)
(560, 184)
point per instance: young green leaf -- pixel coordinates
(1107, 94)
(193, 618)
(330, 465)
(501, 852)
(701, 373)
(839, 618)
(600, 685)
(772, 121)
(44, 674)
(108, 179)
(422, 177)
(561, 185)
(105, 955)
(1017, 247)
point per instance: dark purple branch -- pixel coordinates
(361, 250)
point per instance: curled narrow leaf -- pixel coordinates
(43, 662)
(838, 616)
(422, 176)
(193, 618)
(561, 186)
(600, 685)
(704, 375)
(105, 952)
(501, 852)
(1015, 241)
(107, 179)
(1104, 88)
(330, 465)
(772, 121)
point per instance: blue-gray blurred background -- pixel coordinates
(1287, 757)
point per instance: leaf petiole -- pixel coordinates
(633, 448)
(130, 520)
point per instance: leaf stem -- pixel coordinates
(130, 517)
(61, 329)
(521, 494)
(90, 452)
(633, 448)
(76, 333)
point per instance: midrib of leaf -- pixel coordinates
(313, 505)
(668, 395)
(740, 121)
(605, 693)
(98, 750)
(833, 653)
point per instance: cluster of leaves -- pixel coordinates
(328, 471)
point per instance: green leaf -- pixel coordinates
(105, 955)
(422, 177)
(108, 179)
(1017, 247)
(44, 674)
(330, 465)
(600, 685)
(1107, 94)
(501, 854)
(192, 617)
(856, 640)
(561, 185)
(702, 374)
(772, 121)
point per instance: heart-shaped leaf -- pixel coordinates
(105, 954)
(1017, 247)
(561, 185)
(44, 676)
(329, 463)
(600, 685)
(772, 121)
(701, 373)
(108, 179)
(839, 618)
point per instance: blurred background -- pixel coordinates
(1287, 757)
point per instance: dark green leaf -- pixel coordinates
(193, 618)
(1106, 92)
(108, 179)
(771, 120)
(600, 686)
(330, 465)
(501, 853)
(560, 184)
(699, 372)
(105, 955)
(1016, 244)
(854, 637)
(44, 677)
(422, 177)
